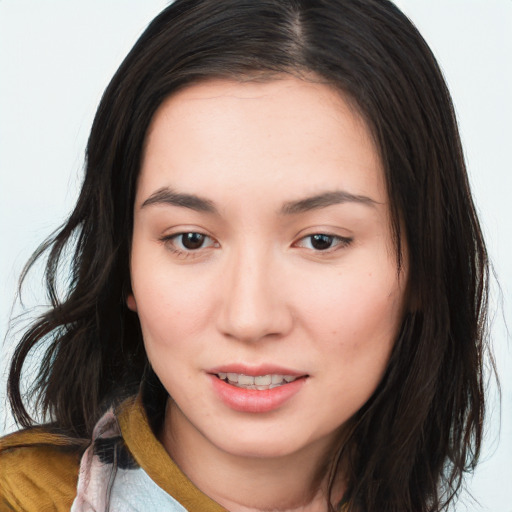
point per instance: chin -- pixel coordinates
(259, 448)
(267, 442)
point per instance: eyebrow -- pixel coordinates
(168, 196)
(324, 200)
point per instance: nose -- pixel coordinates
(254, 304)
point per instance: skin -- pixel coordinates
(259, 291)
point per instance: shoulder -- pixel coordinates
(38, 471)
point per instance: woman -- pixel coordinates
(275, 230)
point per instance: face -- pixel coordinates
(263, 270)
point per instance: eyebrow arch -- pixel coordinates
(323, 200)
(165, 195)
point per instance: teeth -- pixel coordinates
(245, 380)
(263, 380)
(277, 379)
(260, 382)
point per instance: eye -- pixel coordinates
(323, 242)
(187, 242)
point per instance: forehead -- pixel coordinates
(227, 134)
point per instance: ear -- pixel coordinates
(131, 303)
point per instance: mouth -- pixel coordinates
(257, 382)
(256, 389)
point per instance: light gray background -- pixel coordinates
(57, 56)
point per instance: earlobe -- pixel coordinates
(131, 303)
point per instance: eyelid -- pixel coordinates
(183, 252)
(342, 241)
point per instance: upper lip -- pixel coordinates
(255, 370)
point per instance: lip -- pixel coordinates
(252, 400)
(254, 371)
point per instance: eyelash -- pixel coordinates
(184, 252)
(341, 242)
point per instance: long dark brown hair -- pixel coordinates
(412, 441)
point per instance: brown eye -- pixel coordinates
(321, 242)
(189, 243)
(192, 241)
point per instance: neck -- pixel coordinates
(291, 483)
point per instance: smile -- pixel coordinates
(258, 382)
(255, 393)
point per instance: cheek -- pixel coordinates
(354, 334)
(166, 315)
(356, 314)
(171, 304)
(171, 321)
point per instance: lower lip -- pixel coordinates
(253, 400)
